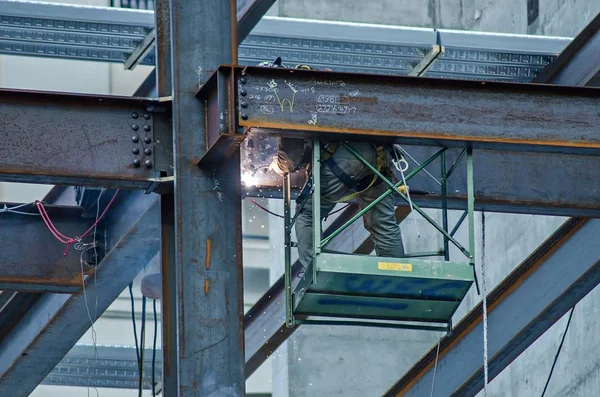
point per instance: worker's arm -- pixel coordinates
(291, 154)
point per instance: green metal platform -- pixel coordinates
(378, 288)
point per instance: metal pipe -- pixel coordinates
(316, 201)
(424, 254)
(459, 222)
(456, 163)
(373, 324)
(444, 205)
(289, 315)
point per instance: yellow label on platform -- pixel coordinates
(401, 267)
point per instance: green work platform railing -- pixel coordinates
(379, 291)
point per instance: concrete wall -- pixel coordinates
(327, 361)
(555, 17)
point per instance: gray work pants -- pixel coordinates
(380, 221)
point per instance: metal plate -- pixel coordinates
(392, 277)
(315, 304)
(379, 287)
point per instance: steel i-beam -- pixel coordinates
(85, 140)
(208, 254)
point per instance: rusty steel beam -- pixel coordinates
(579, 63)
(543, 292)
(249, 13)
(73, 139)
(25, 237)
(206, 226)
(426, 111)
(41, 337)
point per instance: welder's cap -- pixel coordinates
(273, 64)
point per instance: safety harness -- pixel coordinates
(361, 185)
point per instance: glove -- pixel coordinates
(403, 189)
(274, 166)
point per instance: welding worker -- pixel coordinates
(344, 177)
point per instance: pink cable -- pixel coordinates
(68, 241)
(58, 235)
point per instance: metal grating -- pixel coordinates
(115, 367)
(111, 34)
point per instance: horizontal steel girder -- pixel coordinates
(32, 258)
(55, 322)
(542, 291)
(78, 139)
(505, 181)
(506, 116)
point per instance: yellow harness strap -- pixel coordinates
(380, 164)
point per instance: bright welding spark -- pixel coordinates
(248, 179)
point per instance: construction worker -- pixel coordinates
(343, 176)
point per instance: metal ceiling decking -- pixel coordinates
(111, 34)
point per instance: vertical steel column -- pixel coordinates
(289, 309)
(471, 212)
(208, 250)
(162, 15)
(445, 206)
(316, 201)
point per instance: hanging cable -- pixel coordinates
(437, 355)
(84, 248)
(142, 346)
(137, 349)
(281, 216)
(485, 325)
(13, 210)
(558, 351)
(68, 241)
(154, 348)
(264, 209)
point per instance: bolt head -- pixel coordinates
(147, 116)
(147, 139)
(243, 92)
(135, 139)
(244, 105)
(136, 151)
(134, 115)
(146, 128)
(135, 127)
(244, 116)
(148, 152)
(243, 80)
(148, 164)
(136, 162)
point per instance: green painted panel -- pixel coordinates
(316, 304)
(377, 276)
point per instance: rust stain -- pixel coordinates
(365, 99)
(206, 286)
(233, 24)
(208, 246)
